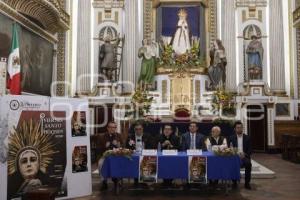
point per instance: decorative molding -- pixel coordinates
(10, 12)
(61, 61)
(164, 86)
(49, 13)
(298, 57)
(156, 3)
(251, 3)
(60, 77)
(108, 4)
(197, 91)
(148, 19)
(212, 19)
(296, 17)
(271, 138)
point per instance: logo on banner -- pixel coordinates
(15, 105)
(148, 169)
(197, 169)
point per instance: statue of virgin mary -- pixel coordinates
(181, 40)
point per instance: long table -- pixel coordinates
(174, 167)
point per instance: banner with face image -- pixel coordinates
(37, 153)
(148, 169)
(197, 169)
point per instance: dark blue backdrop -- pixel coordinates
(170, 20)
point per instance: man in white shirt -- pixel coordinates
(215, 138)
(243, 144)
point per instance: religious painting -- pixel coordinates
(37, 153)
(78, 124)
(181, 26)
(79, 159)
(197, 169)
(148, 169)
(36, 56)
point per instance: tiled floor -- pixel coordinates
(286, 186)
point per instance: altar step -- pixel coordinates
(258, 172)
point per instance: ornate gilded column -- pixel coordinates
(229, 41)
(276, 48)
(83, 84)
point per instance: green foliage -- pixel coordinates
(141, 103)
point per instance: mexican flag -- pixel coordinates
(14, 65)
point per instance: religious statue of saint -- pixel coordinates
(107, 57)
(148, 52)
(218, 62)
(181, 42)
(255, 53)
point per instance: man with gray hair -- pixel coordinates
(215, 138)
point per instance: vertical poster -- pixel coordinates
(37, 153)
(197, 169)
(148, 169)
(79, 159)
(78, 123)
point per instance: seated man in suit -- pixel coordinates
(192, 139)
(168, 140)
(112, 140)
(243, 144)
(215, 138)
(139, 141)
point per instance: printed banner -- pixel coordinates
(197, 169)
(79, 159)
(148, 169)
(37, 153)
(78, 123)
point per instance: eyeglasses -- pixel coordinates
(112, 127)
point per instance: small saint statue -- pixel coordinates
(255, 53)
(148, 52)
(218, 62)
(181, 41)
(107, 57)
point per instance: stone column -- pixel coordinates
(129, 64)
(229, 41)
(277, 71)
(83, 84)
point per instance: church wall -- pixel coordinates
(37, 55)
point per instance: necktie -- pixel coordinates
(193, 146)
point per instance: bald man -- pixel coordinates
(216, 138)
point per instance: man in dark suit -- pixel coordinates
(112, 140)
(192, 139)
(139, 140)
(168, 140)
(243, 144)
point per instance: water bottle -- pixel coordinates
(159, 147)
(231, 145)
(209, 147)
